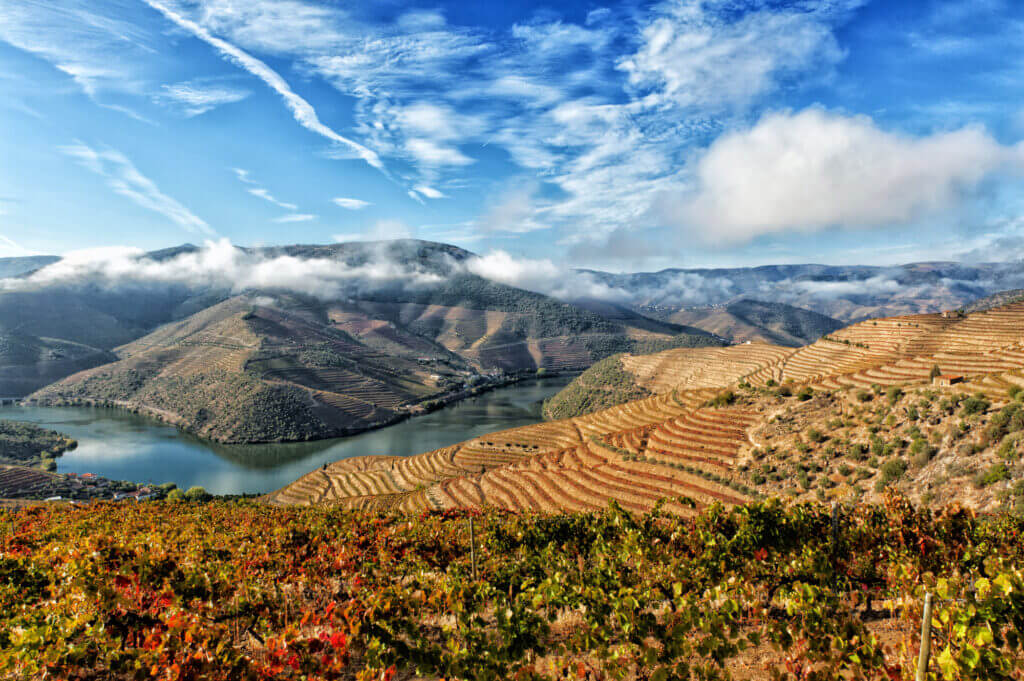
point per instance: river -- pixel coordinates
(124, 446)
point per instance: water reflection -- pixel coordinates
(125, 446)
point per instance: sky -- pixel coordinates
(621, 136)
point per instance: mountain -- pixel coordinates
(270, 365)
(843, 419)
(753, 320)
(848, 293)
(16, 267)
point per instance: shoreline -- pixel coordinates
(172, 419)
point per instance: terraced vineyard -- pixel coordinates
(689, 438)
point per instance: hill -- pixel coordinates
(842, 418)
(754, 320)
(283, 367)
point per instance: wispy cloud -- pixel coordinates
(350, 204)
(302, 111)
(266, 196)
(95, 44)
(196, 97)
(296, 217)
(125, 179)
(11, 249)
(429, 192)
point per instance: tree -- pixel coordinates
(936, 371)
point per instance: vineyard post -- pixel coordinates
(926, 639)
(472, 546)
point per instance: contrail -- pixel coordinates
(302, 110)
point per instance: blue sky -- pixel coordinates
(623, 135)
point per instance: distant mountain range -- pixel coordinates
(848, 293)
(280, 359)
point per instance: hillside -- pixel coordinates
(851, 414)
(26, 444)
(256, 368)
(422, 305)
(633, 376)
(222, 591)
(995, 300)
(754, 320)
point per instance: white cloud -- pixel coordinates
(125, 179)
(197, 97)
(542, 276)
(433, 153)
(350, 204)
(266, 196)
(302, 111)
(296, 217)
(700, 54)
(429, 192)
(814, 169)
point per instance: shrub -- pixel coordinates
(936, 371)
(858, 452)
(784, 391)
(815, 435)
(976, 404)
(722, 399)
(893, 469)
(994, 474)
(864, 395)
(894, 393)
(805, 393)
(197, 493)
(175, 495)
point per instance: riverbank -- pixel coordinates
(122, 445)
(426, 407)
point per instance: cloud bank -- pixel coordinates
(221, 266)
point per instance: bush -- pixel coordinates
(175, 495)
(936, 371)
(976, 404)
(996, 473)
(722, 399)
(864, 395)
(805, 393)
(894, 393)
(197, 493)
(815, 435)
(784, 391)
(891, 470)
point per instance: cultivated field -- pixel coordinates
(695, 437)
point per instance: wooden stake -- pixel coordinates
(926, 639)
(472, 546)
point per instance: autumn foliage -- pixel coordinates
(225, 590)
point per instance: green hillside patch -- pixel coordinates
(26, 444)
(603, 385)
